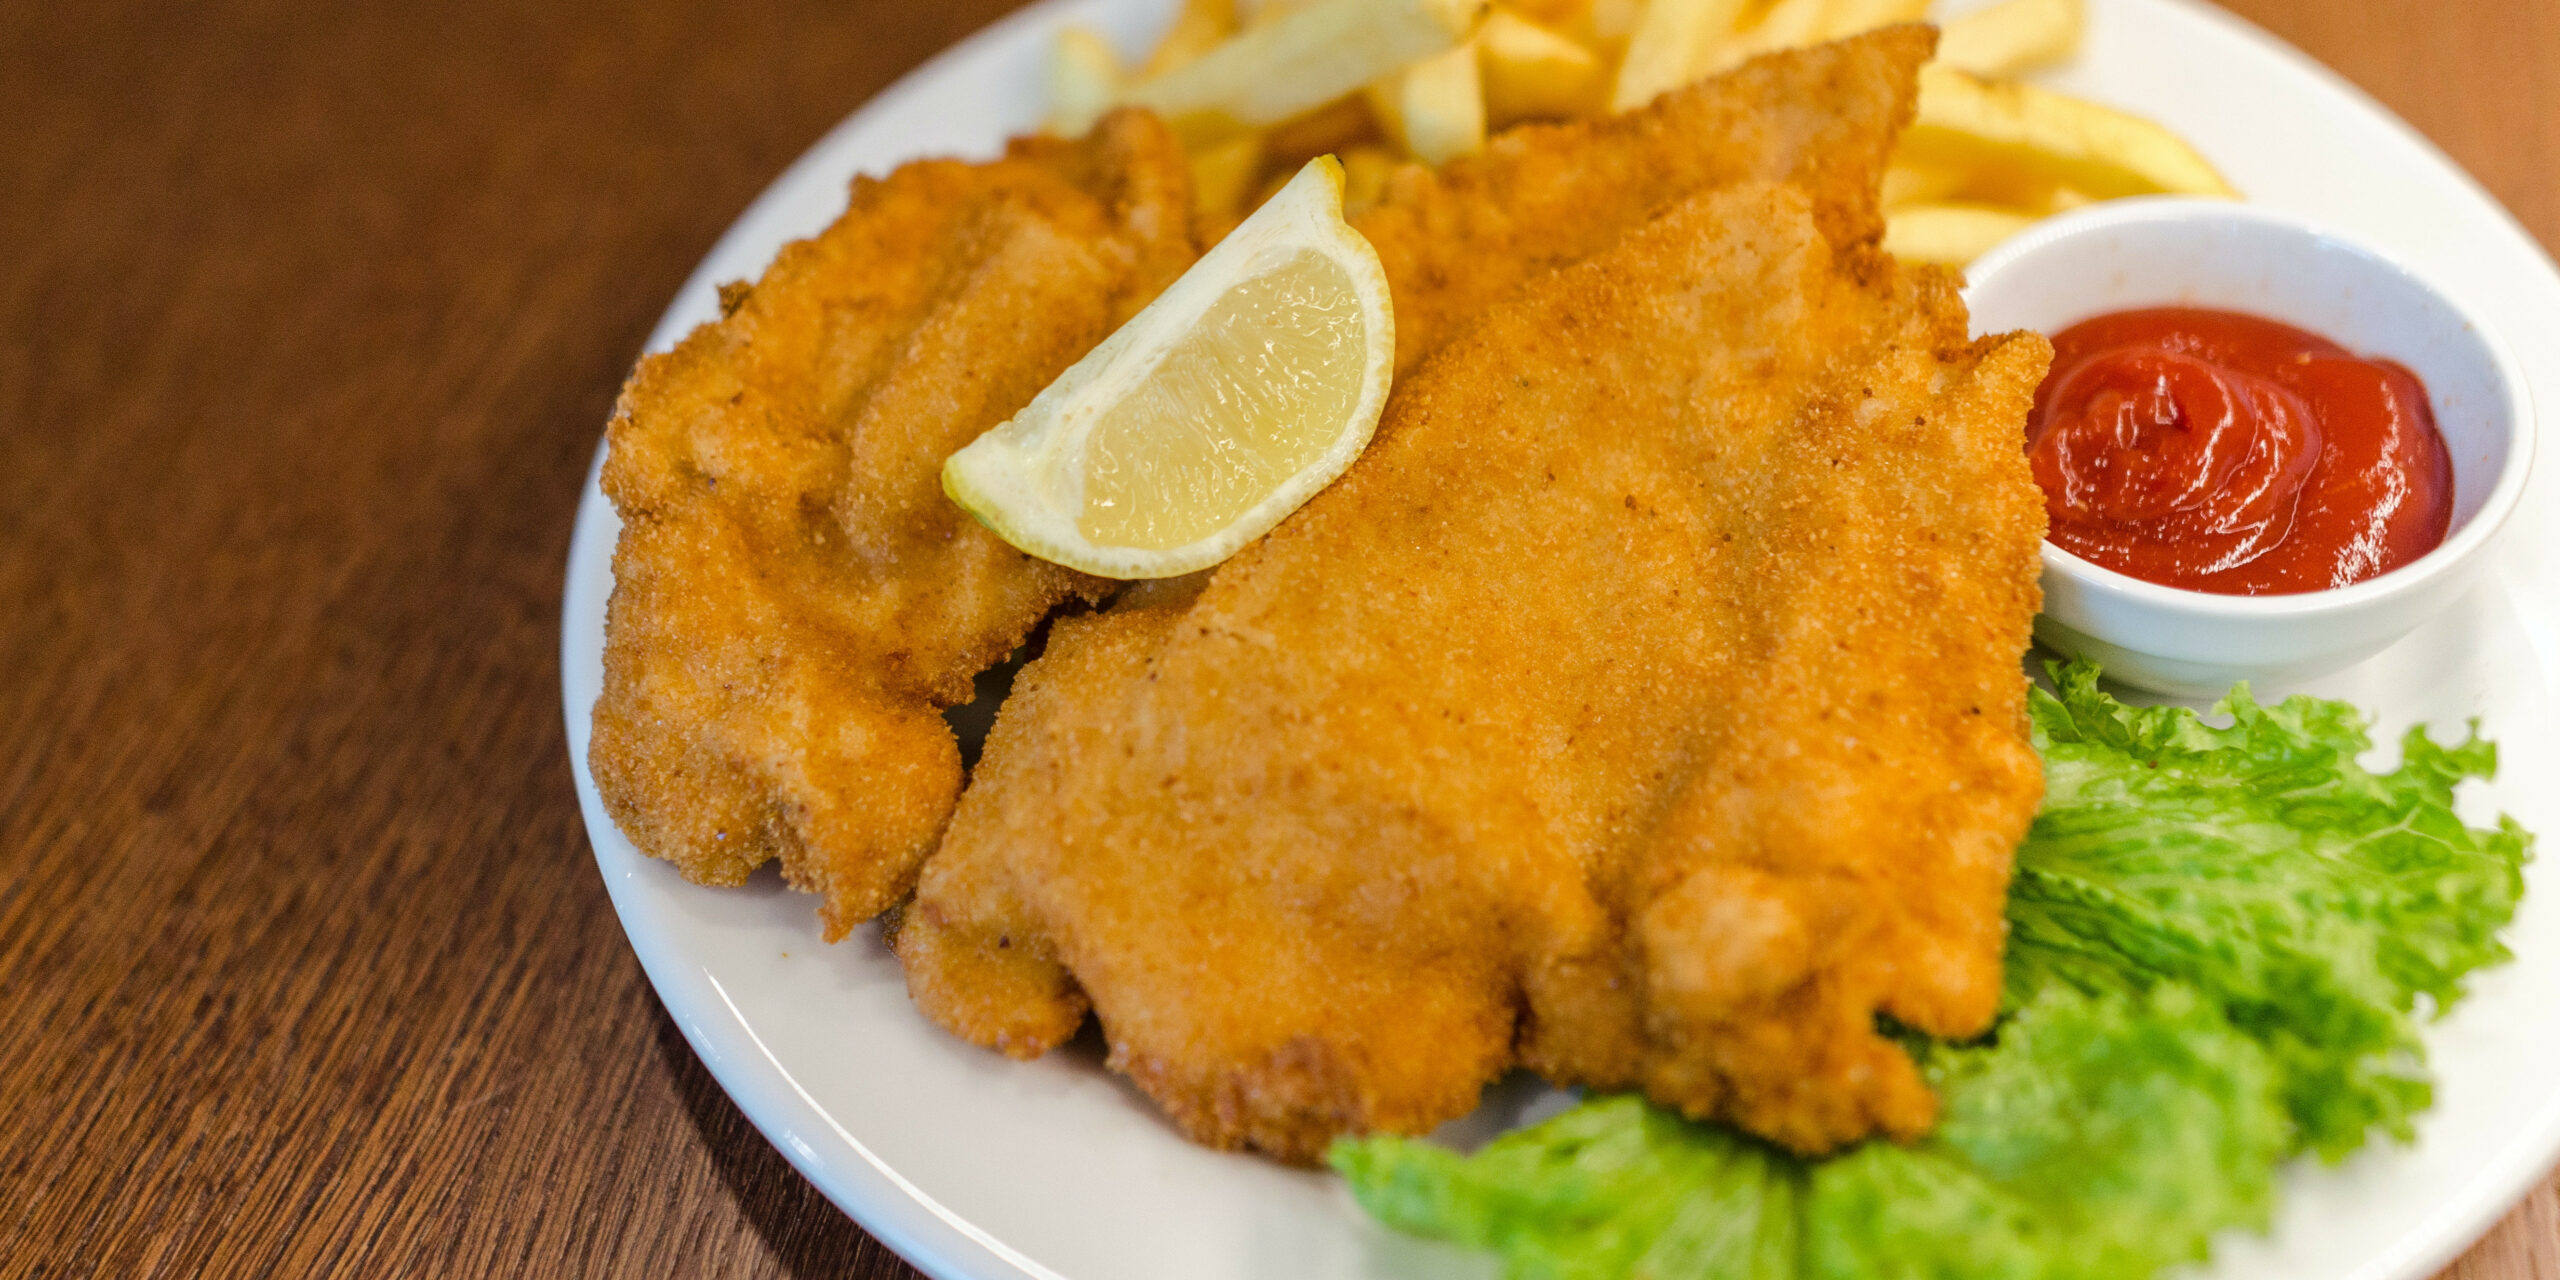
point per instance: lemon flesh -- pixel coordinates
(1226, 418)
(1249, 385)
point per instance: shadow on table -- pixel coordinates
(801, 1230)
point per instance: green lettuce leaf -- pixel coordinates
(2102, 1137)
(2315, 901)
(1610, 1189)
(2221, 942)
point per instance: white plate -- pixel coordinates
(973, 1166)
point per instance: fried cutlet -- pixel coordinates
(795, 602)
(1455, 242)
(1644, 708)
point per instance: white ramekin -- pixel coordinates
(2209, 253)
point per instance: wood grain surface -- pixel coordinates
(309, 318)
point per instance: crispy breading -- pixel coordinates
(1644, 707)
(1539, 197)
(1455, 243)
(795, 602)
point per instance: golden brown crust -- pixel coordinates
(1843, 848)
(794, 600)
(1644, 706)
(1542, 197)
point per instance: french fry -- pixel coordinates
(1300, 60)
(1331, 129)
(1084, 78)
(1950, 235)
(2034, 139)
(2012, 36)
(1907, 182)
(1434, 109)
(1554, 15)
(1607, 24)
(1844, 18)
(1201, 26)
(1253, 13)
(2064, 199)
(1532, 73)
(1995, 177)
(1365, 169)
(1221, 174)
(1665, 49)
(1787, 24)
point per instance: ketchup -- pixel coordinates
(2224, 452)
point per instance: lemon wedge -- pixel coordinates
(1212, 414)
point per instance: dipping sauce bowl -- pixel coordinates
(2167, 251)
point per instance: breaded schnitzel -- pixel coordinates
(1644, 707)
(773, 689)
(795, 602)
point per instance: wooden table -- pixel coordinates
(309, 318)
